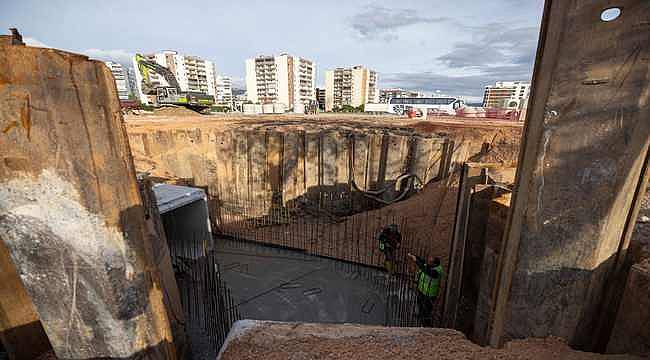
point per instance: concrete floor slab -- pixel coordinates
(286, 285)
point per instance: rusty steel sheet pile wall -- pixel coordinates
(71, 219)
(264, 180)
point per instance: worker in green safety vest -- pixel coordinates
(389, 241)
(427, 278)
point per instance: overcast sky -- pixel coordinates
(456, 47)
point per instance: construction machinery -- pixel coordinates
(170, 94)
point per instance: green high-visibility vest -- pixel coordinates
(426, 284)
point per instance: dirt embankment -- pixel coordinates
(275, 340)
(489, 141)
(174, 111)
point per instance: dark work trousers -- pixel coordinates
(389, 261)
(425, 309)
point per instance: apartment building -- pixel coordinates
(223, 89)
(387, 94)
(506, 94)
(133, 88)
(192, 73)
(320, 98)
(353, 86)
(284, 79)
(121, 79)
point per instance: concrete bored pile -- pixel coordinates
(75, 247)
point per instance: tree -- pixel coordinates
(348, 109)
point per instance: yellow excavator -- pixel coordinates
(172, 94)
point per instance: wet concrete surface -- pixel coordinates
(279, 284)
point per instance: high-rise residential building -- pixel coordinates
(133, 88)
(320, 98)
(506, 94)
(387, 94)
(354, 86)
(223, 88)
(121, 79)
(283, 79)
(192, 73)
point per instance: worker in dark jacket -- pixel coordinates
(389, 241)
(427, 278)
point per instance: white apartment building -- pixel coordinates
(284, 79)
(121, 79)
(353, 86)
(223, 88)
(192, 73)
(506, 94)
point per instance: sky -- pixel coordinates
(451, 47)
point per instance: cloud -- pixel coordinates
(499, 52)
(381, 22)
(471, 86)
(118, 55)
(495, 45)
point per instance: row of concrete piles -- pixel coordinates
(256, 169)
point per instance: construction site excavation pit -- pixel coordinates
(296, 206)
(326, 189)
(277, 217)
